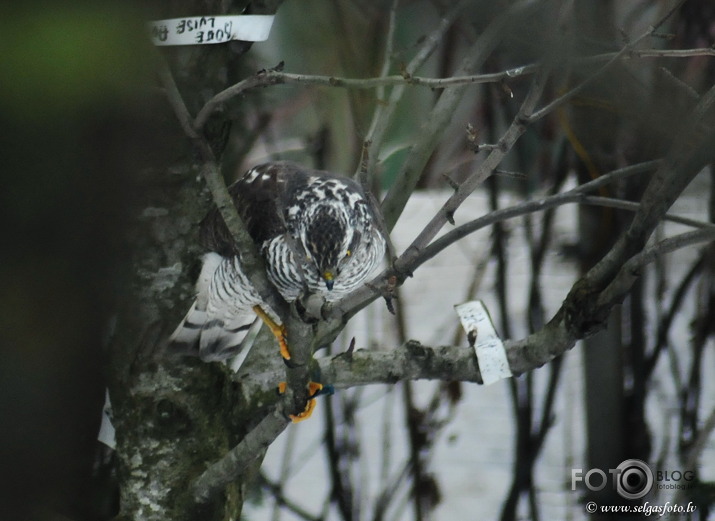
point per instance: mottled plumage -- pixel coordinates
(317, 233)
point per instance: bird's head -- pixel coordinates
(329, 241)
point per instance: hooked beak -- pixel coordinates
(328, 277)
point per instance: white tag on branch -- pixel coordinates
(493, 363)
(200, 30)
(106, 429)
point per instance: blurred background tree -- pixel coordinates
(74, 124)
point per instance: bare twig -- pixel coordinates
(631, 269)
(591, 299)
(691, 151)
(277, 491)
(550, 107)
(251, 261)
(275, 77)
(666, 320)
(540, 347)
(342, 488)
(431, 132)
(411, 259)
(633, 206)
(384, 111)
(627, 49)
(365, 170)
(678, 83)
(485, 169)
(389, 492)
(701, 441)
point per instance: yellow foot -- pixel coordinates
(278, 331)
(313, 389)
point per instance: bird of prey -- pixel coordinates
(318, 234)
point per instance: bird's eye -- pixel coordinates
(348, 253)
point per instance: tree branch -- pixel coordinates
(693, 148)
(380, 117)
(632, 206)
(274, 77)
(251, 261)
(559, 335)
(218, 475)
(230, 467)
(485, 169)
(590, 79)
(411, 259)
(665, 319)
(414, 361)
(411, 361)
(384, 111)
(405, 264)
(630, 271)
(430, 134)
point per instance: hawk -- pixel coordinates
(318, 234)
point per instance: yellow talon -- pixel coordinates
(313, 389)
(295, 418)
(278, 331)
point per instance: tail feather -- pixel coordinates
(201, 333)
(185, 338)
(209, 339)
(220, 340)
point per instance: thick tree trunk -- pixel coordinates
(172, 416)
(169, 414)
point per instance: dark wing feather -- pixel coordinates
(257, 196)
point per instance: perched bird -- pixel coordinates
(317, 233)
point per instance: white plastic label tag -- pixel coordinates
(493, 363)
(106, 429)
(200, 30)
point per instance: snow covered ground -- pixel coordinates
(474, 454)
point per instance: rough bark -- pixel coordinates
(173, 416)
